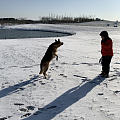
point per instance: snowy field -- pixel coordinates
(73, 91)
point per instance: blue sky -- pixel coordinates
(33, 9)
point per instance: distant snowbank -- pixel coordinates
(96, 23)
(43, 27)
(33, 31)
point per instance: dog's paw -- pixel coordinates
(40, 72)
(47, 77)
(57, 58)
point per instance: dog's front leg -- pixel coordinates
(56, 56)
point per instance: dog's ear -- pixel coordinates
(58, 40)
(55, 40)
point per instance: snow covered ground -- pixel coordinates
(73, 91)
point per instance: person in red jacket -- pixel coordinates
(107, 53)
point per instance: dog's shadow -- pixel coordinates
(65, 100)
(12, 89)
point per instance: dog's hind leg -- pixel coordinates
(41, 72)
(41, 69)
(45, 70)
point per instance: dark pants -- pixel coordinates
(106, 64)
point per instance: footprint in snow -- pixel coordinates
(23, 110)
(117, 91)
(18, 104)
(63, 75)
(26, 115)
(74, 63)
(4, 118)
(64, 63)
(30, 107)
(100, 94)
(83, 78)
(1, 68)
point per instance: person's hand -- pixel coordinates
(100, 60)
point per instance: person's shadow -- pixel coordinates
(65, 100)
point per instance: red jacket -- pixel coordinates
(106, 48)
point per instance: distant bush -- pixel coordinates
(61, 19)
(15, 21)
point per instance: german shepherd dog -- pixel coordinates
(49, 55)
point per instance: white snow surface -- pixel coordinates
(73, 90)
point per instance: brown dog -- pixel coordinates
(49, 55)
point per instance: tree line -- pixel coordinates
(48, 20)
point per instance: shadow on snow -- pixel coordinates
(14, 88)
(65, 100)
